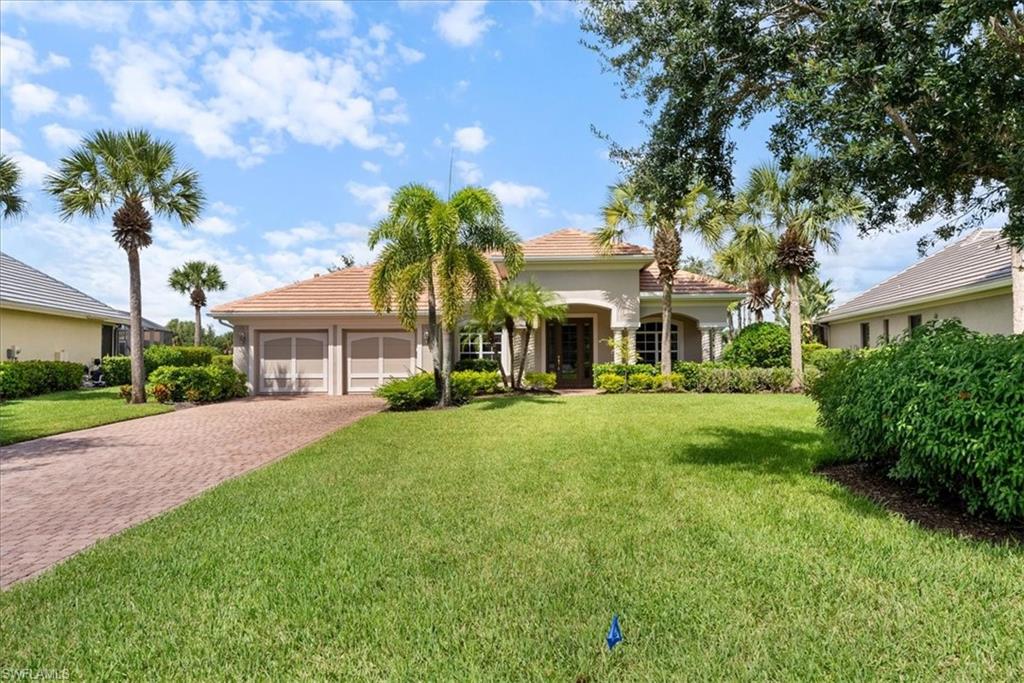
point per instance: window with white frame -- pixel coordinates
(474, 345)
(648, 343)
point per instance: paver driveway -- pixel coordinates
(60, 494)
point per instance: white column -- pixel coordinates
(705, 344)
(716, 343)
(617, 351)
(632, 345)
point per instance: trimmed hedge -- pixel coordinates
(541, 381)
(418, 391)
(699, 377)
(624, 370)
(944, 405)
(826, 359)
(761, 345)
(198, 383)
(477, 364)
(226, 360)
(118, 369)
(34, 377)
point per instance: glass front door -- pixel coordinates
(570, 352)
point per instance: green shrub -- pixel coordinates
(160, 392)
(720, 378)
(761, 345)
(118, 369)
(826, 359)
(541, 381)
(200, 383)
(125, 392)
(671, 382)
(33, 377)
(688, 372)
(611, 383)
(641, 382)
(944, 405)
(807, 348)
(409, 393)
(476, 383)
(226, 360)
(477, 364)
(623, 370)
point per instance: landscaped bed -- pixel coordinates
(65, 411)
(495, 541)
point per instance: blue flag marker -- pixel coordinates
(614, 634)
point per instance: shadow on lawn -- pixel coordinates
(501, 402)
(773, 450)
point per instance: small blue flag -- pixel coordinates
(614, 634)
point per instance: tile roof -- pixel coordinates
(22, 284)
(980, 258)
(685, 283)
(572, 242)
(347, 289)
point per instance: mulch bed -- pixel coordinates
(869, 480)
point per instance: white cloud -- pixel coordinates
(30, 99)
(101, 16)
(463, 23)
(352, 231)
(337, 16)
(60, 138)
(215, 225)
(584, 221)
(377, 197)
(514, 194)
(308, 232)
(553, 10)
(470, 139)
(33, 171)
(18, 60)
(223, 208)
(172, 17)
(469, 172)
(371, 167)
(409, 55)
(379, 32)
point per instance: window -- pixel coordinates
(648, 343)
(473, 345)
(914, 322)
(885, 330)
(865, 335)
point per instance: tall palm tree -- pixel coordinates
(132, 174)
(438, 248)
(10, 188)
(749, 256)
(802, 222)
(538, 305)
(698, 212)
(196, 278)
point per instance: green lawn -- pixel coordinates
(65, 411)
(496, 541)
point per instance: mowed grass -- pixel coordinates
(65, 411)
(496, 541)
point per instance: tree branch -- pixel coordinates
(901, 123)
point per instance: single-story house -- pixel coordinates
(42, 318)
(968, 280)
(322, 334)
(152, 333)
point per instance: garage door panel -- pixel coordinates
(373, 358)
(363, 354)
(397, 353)
(293, 362)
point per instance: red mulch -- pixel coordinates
(869, 480)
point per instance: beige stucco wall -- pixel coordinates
(50, 337)
(991, 315)
(611, 289)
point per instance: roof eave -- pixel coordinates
(715, 296)
(64, 312)
(916, 301)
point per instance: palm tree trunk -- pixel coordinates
(434, 334)
(522, 361)
(135, 334)
(666, 325)
(1017, 286)
(759, 315)
(197, 336)
(501, 364)
(796, 361)
(446, 371)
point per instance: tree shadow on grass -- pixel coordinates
(61, 396)
(502, 402)
(776, 451)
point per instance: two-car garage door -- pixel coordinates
(298, 362)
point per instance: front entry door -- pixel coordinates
(570, 352)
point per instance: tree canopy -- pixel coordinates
(917, 104)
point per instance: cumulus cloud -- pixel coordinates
(215, 225)
(30, 99)
(308, 232)
(409, 55)
(377, 197)
(471, 139)
(60, 138)
(223, 208)
(469, 172)
(515, 194)
(371, 167)
(33, 171)
(463, 23)
(97, 16)
(18, 60)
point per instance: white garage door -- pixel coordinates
(293, 362)
(374, 357)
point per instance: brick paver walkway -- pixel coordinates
(61, 494)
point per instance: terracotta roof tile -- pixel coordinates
(685, 283)
(574, 242)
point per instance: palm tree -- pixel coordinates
(538, 306)
(802, 222)
(438, 248)
(137, 174)
(749, 256)
(10, 188)
(196, 278)
(698, 211)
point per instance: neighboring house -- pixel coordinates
(322, 334)
(41, 318)
(152, 333)
(968, 280)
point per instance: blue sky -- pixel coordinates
(301, 119)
